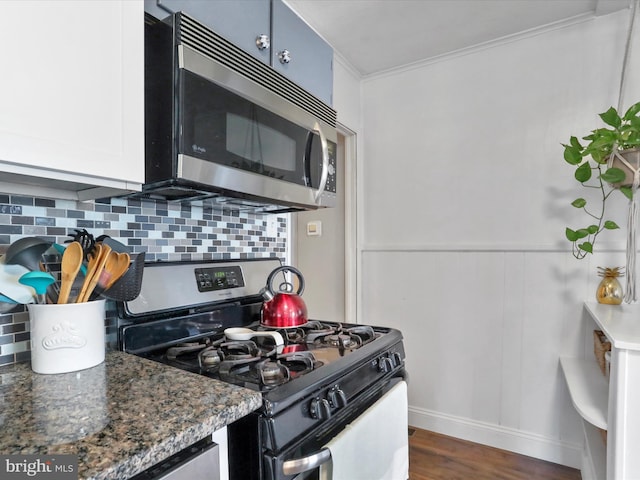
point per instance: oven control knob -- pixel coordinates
(336, 397)
(397, 359)
(320, 409)
(385, 364)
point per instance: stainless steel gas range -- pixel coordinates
(334, 395)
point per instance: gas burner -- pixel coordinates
(240, 350)
(272, 373)
(364, 332)
(209, 358)
(300, 361)
(314, 330)
(314, 325)
(342, 340)
(285, 367)
(236, 353)
(293, 335)
(184, 348)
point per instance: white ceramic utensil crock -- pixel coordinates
(66, 337)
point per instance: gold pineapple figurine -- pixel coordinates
(610, 291)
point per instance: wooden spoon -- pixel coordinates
(71, 262)
(117, 265)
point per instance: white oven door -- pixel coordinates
(375, 446)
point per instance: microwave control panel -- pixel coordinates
(218, 278)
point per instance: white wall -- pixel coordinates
(321, 259)
(346, 94)
(465, 198)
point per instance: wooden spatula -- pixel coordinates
(71, 262)
(93, 271)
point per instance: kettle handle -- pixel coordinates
(286, 268)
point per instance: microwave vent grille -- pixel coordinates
(203, 40)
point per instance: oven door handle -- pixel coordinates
(304, 464)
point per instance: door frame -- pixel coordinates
(352, 225)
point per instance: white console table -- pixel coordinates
(612, 405)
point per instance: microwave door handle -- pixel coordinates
(304, 464)
(325, 163)
(306, 160)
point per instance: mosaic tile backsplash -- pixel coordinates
(164, 231)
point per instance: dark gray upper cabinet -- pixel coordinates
(310, 62)
(294, 50)
(240, 22)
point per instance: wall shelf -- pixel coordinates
(588, 388)
(620, 323)
(612, 405)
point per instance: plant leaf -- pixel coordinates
(579, 203)
(575, 143)
(634, 123)
(632, 134)
(613, 175)
(581, 233)
(600, 156)
(592, 229)
(570, 234)
(611, 117)
(586, 246)
(583, 172)
(632, 111)
(627, 192)
(572, 154)
(611, 225)
(603, 139)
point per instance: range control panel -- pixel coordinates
(218, 278)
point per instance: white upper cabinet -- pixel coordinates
(270, 31)
(72, 96)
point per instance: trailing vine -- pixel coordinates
(590, 161)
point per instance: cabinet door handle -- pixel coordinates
(284, 56)
(263, 42)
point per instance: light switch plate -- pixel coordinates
(314, 228)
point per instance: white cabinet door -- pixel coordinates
(72, 93)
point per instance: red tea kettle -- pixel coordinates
(284, 308)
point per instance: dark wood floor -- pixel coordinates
(437, 457)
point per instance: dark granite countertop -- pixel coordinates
(119, 417)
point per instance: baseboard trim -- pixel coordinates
(524, 443)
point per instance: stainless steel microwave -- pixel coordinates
(223, 127)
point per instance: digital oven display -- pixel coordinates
(218, 278)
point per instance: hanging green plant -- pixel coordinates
(622, 139)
